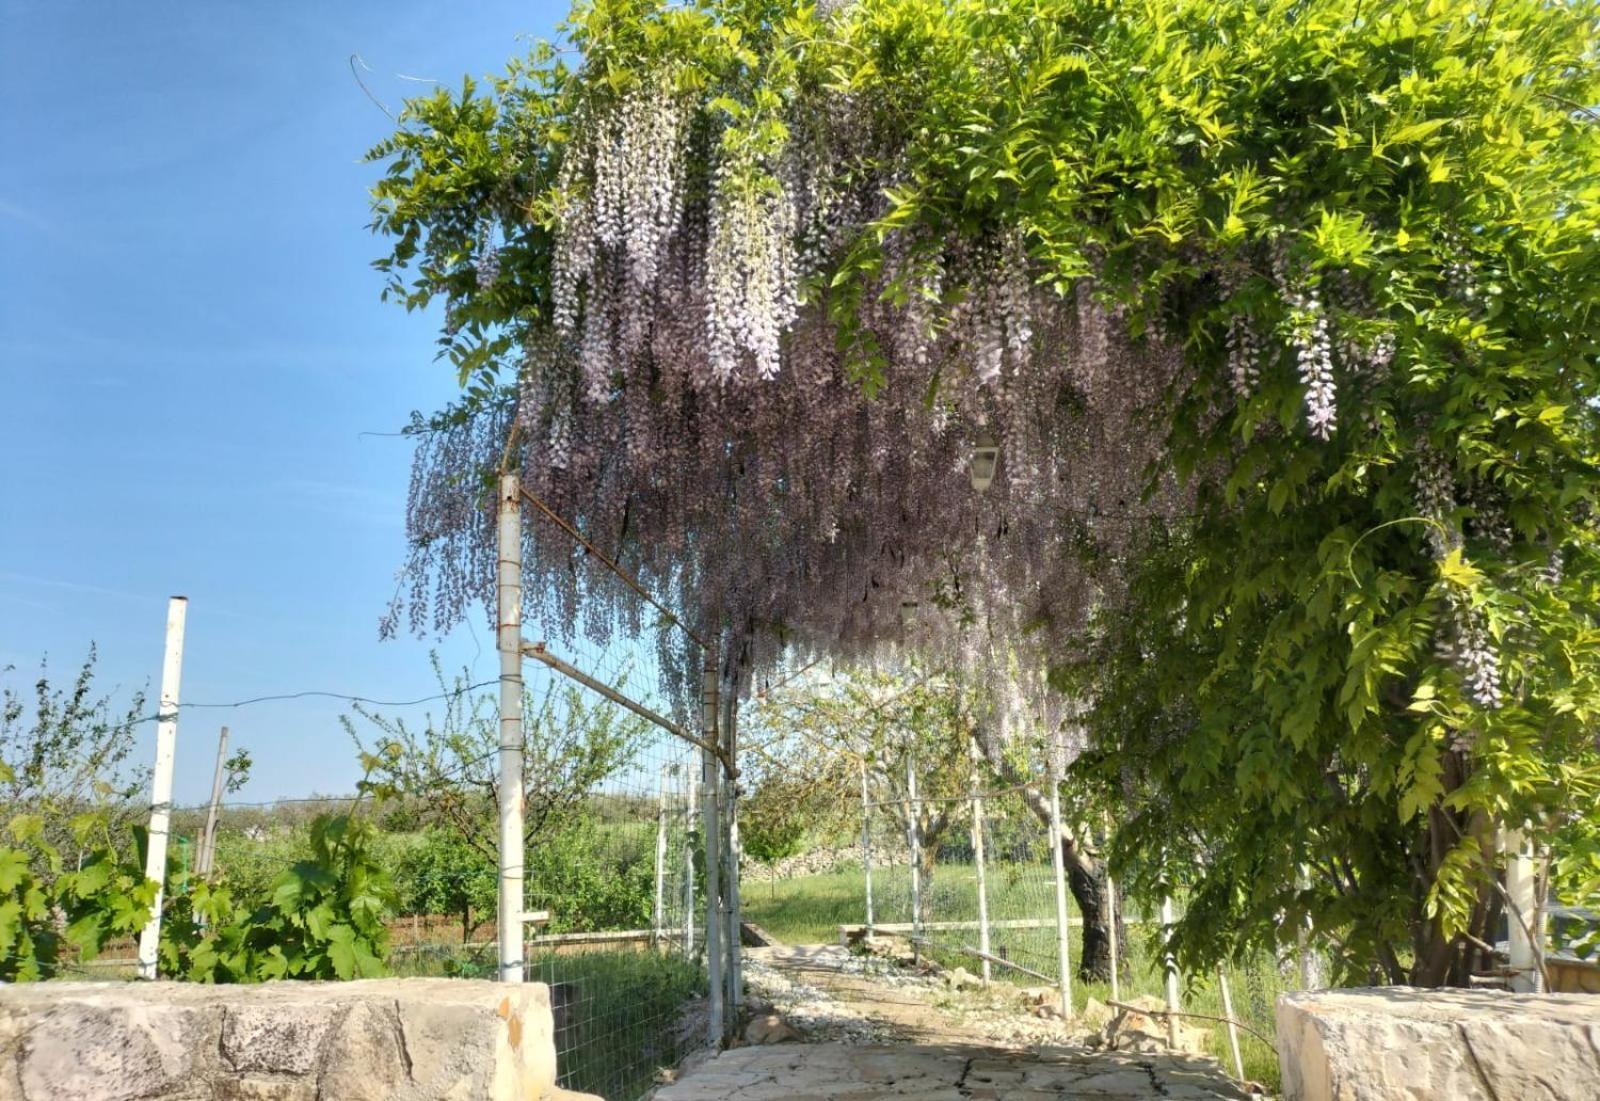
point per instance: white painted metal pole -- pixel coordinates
(208, 840)
(691, 810)
(155, 861)
(1233, 1029)
(914, 842)
(1310, 966)
(1522, 918)
(1111, 922)
(1170, 964)
(1063, 928)
(509, 642)
(977, 860)
(730, 741)
(659, 913)
(711, 773)
(866, 841)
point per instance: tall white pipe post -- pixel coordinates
(1310, 966)
(658, 915)
(1233, 1028)
(1170, 963)
(977, 859)
(735, 934)
(914, 841)
(690, 811)
(866, 841)
(1063, 928)
(208, 840)
(155, 861)
(1524, 920)
(509, 642)
(1111, 920)
(710, 777)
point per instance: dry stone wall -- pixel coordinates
(376, 1040)
(824, 861)
(1438, 1045)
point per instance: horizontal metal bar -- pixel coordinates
(537, 651)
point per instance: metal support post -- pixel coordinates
(710, 778)
(977, 858)
(155, 863)
(866, 841)
(1111, 921)
(658, 921)
(730, 741)
(1233, 1029)
(914, 841)
(691, 810)
(1524, 920)
(1063, 927)
(1170, 964)
(508, 917)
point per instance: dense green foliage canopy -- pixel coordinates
(1332, 267)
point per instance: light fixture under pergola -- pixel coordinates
(985, 458)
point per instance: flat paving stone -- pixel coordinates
(944, 1072)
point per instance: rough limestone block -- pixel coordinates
(383, 1040)
(1438, 1045)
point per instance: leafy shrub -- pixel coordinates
(324, 918)
(28, 941)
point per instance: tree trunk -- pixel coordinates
(1086, 879)
(926, 865)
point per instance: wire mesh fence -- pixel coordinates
(625, 834)
(989, 903)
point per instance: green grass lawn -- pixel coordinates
(810, 909)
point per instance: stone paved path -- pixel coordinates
(944, 1072)
(935, 1055)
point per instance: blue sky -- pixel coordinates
(191, 346)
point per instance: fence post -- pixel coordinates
(691, 810)
(1524, 921)
(730, 714)
(155, 864)
(710, 778)
(977, 857)
(914, 840)
(658, 920)
(1169, 963)
(1063, 930)
(866, 841)
(1111, 918)
(1309, 966)
(208, 840)
(1233, 1029)
(508, 639)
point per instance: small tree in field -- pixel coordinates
(65, 751)
(772, 824)
(447, 774)
(822, 731)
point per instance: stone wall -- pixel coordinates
(824, 861)
(383, 1040)
(1438, 1045)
